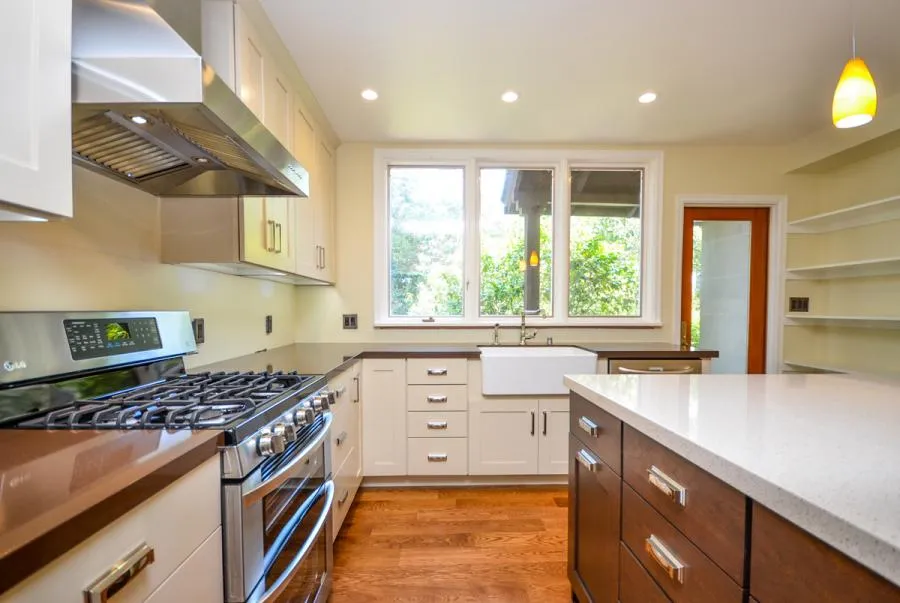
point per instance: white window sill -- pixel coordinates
(515, 323)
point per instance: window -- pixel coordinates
(471, 238)
(426, 227)
(516, 226)
(605, 243)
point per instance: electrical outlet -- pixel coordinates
(351, 321)
(798, 304)
(199, 330)
(268, 324)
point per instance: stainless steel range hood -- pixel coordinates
(148, 110)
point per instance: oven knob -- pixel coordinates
(320, 403)
(304, 416)
(285, 430)
(270, 443)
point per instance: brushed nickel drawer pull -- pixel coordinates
(666, 559)
(589, 426)
(437, 372)
(343, 499)
(437, 399)
(657, 370)
(271, 224)
(667, 485)
(437, 424)
(106, 586)
(437, 458)
(341, 438)
(587, 459)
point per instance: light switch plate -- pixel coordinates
(268, 324)
(798, 304)
(351, 321)
(199, 328)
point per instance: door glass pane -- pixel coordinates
(427, 221)
(516, 241)
(720, 281)
(605, 243)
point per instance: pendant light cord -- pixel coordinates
(853, 27)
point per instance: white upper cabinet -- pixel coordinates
(251, 65)
(35, 109)
(277, 95)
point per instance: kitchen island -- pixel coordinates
(734, 488)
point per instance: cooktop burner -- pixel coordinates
(198, 401)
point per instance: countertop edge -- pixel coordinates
(25, 558)
(865, 548)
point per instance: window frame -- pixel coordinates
(561, 162)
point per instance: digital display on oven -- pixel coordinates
(101, 337)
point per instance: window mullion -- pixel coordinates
(472, 243)
(561, 213)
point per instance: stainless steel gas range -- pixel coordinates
(125, 370)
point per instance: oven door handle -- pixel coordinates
(253, 496)
(285, 578)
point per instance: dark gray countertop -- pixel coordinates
(332, 358)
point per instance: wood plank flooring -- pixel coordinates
(499, 545)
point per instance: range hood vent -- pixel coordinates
(150, 112)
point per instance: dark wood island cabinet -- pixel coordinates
(648, 526)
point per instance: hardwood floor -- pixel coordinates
(454, 544)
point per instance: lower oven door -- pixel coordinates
(299, 562)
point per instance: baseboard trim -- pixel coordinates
(462, 481)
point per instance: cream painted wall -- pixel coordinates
(688, 170)
(108, 258)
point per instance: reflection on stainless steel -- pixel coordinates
(150, 112)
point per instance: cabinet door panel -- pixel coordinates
(553, 448)
(504, 441)
(307, 252)
(257, 237)
(36, 124)
(278, 111)
(595, 501)
(325, 210)
(384, 417)
(199, 579)
(251, 65)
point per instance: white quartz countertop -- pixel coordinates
(822, 451)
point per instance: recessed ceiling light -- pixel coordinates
(647, 97)
(139, 119)
(201, 159)
(509, 96)
(369, 94)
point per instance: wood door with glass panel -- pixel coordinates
(724, 275)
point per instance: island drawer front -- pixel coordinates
(436, 398)
(702, 582)
(789, 565)
(713, 515)
(438, 456)
(598, 430)
(421, 424)
(426, 371)
(635, 584)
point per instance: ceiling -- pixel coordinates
(726, 71)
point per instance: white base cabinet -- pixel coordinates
(180, 524)
(519, 437)
(346, 443)
(384, 416)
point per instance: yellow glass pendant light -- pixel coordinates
(855, 98)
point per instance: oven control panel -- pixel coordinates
(99, 337)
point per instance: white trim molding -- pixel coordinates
(777, 205)
(559, 160)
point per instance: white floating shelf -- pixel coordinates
(857, 322)
(815, 368)
(857, 269)
(882, 210)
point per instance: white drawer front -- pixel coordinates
(199, 579)
(423, 424)
(421, 371)
(345, 434)
(173, 522)
(438, 456)
(439, 398)
(346, 484)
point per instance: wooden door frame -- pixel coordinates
(777, 205)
